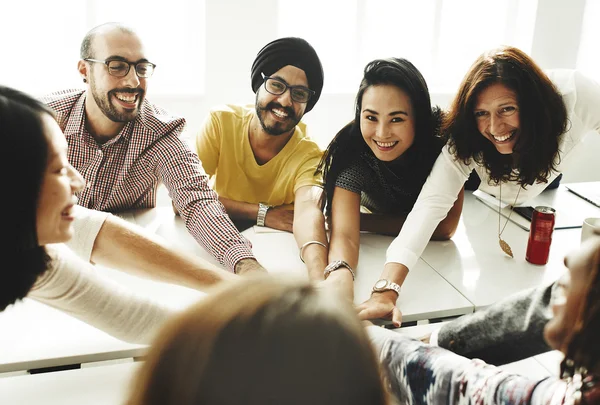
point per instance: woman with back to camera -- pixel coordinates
(35, 226)
(281, 341)
(278, 341)
(516, 126)
(379, 162)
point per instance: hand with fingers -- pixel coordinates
(381, 305)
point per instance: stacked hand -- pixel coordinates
(381, 305)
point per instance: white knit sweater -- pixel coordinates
(74, 286)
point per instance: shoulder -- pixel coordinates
(304, 142)
(570, 82)
(158, 120)
(63, 100)
(231, 112)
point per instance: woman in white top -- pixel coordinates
(516, 126)
(39, 215)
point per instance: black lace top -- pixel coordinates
(385, 187)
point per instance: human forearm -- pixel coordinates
(509, 330)
(309, 225)
(437, 197)
(446, 228)
(239, 209)
(412, 365)
(126, 247)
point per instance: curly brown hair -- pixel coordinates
(543, 118)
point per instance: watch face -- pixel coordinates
(381, 284)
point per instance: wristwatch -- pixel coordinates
(336, 265)
(386, 285)
(262, 213)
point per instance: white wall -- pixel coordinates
(234, 31)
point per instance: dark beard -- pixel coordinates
(279, 128)
(109, 109)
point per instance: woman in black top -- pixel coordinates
(376, 165)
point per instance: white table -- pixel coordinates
(35, 336)
(101, 385)
(111, 384)
(474, 264)
(453, 278)
(425, 294)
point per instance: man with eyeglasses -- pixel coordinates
(125, 146)
(261, 158)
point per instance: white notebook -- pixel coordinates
(564, 218)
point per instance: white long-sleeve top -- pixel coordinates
(73, 285)
(581, 96)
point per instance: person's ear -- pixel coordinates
(82, 67)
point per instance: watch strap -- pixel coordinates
(336, 265)
(389, 286)
(262, 214)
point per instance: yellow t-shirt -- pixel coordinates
(224, 149)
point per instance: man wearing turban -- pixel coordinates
(262, 161)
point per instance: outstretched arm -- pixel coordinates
(387, 224)
(127, 247)
(309, 225)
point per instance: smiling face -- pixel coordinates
(118, 98)
(279, 114)
(387, 121)
(497, 116)
(59, 185)
(569, 297)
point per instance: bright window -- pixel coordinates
(40, 54)
(588, 57)
(441, 37)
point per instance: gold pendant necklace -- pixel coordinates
(503, 245)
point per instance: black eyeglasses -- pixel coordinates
(277, 87)
(120, 68)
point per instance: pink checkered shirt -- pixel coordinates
(125, 172)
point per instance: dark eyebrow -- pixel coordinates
(281, 79)
(392, 113)
(117, 57)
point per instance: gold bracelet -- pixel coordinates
(310, 242)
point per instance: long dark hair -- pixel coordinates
(23, 163)
(542, 113)
(348, 145)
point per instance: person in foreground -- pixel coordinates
(421, 373)
(261, 158)
(124, 146)
(279, 340)
(379, 162)
(517, 126)
(38, 263)
(282, 341)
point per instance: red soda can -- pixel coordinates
(540, 235)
